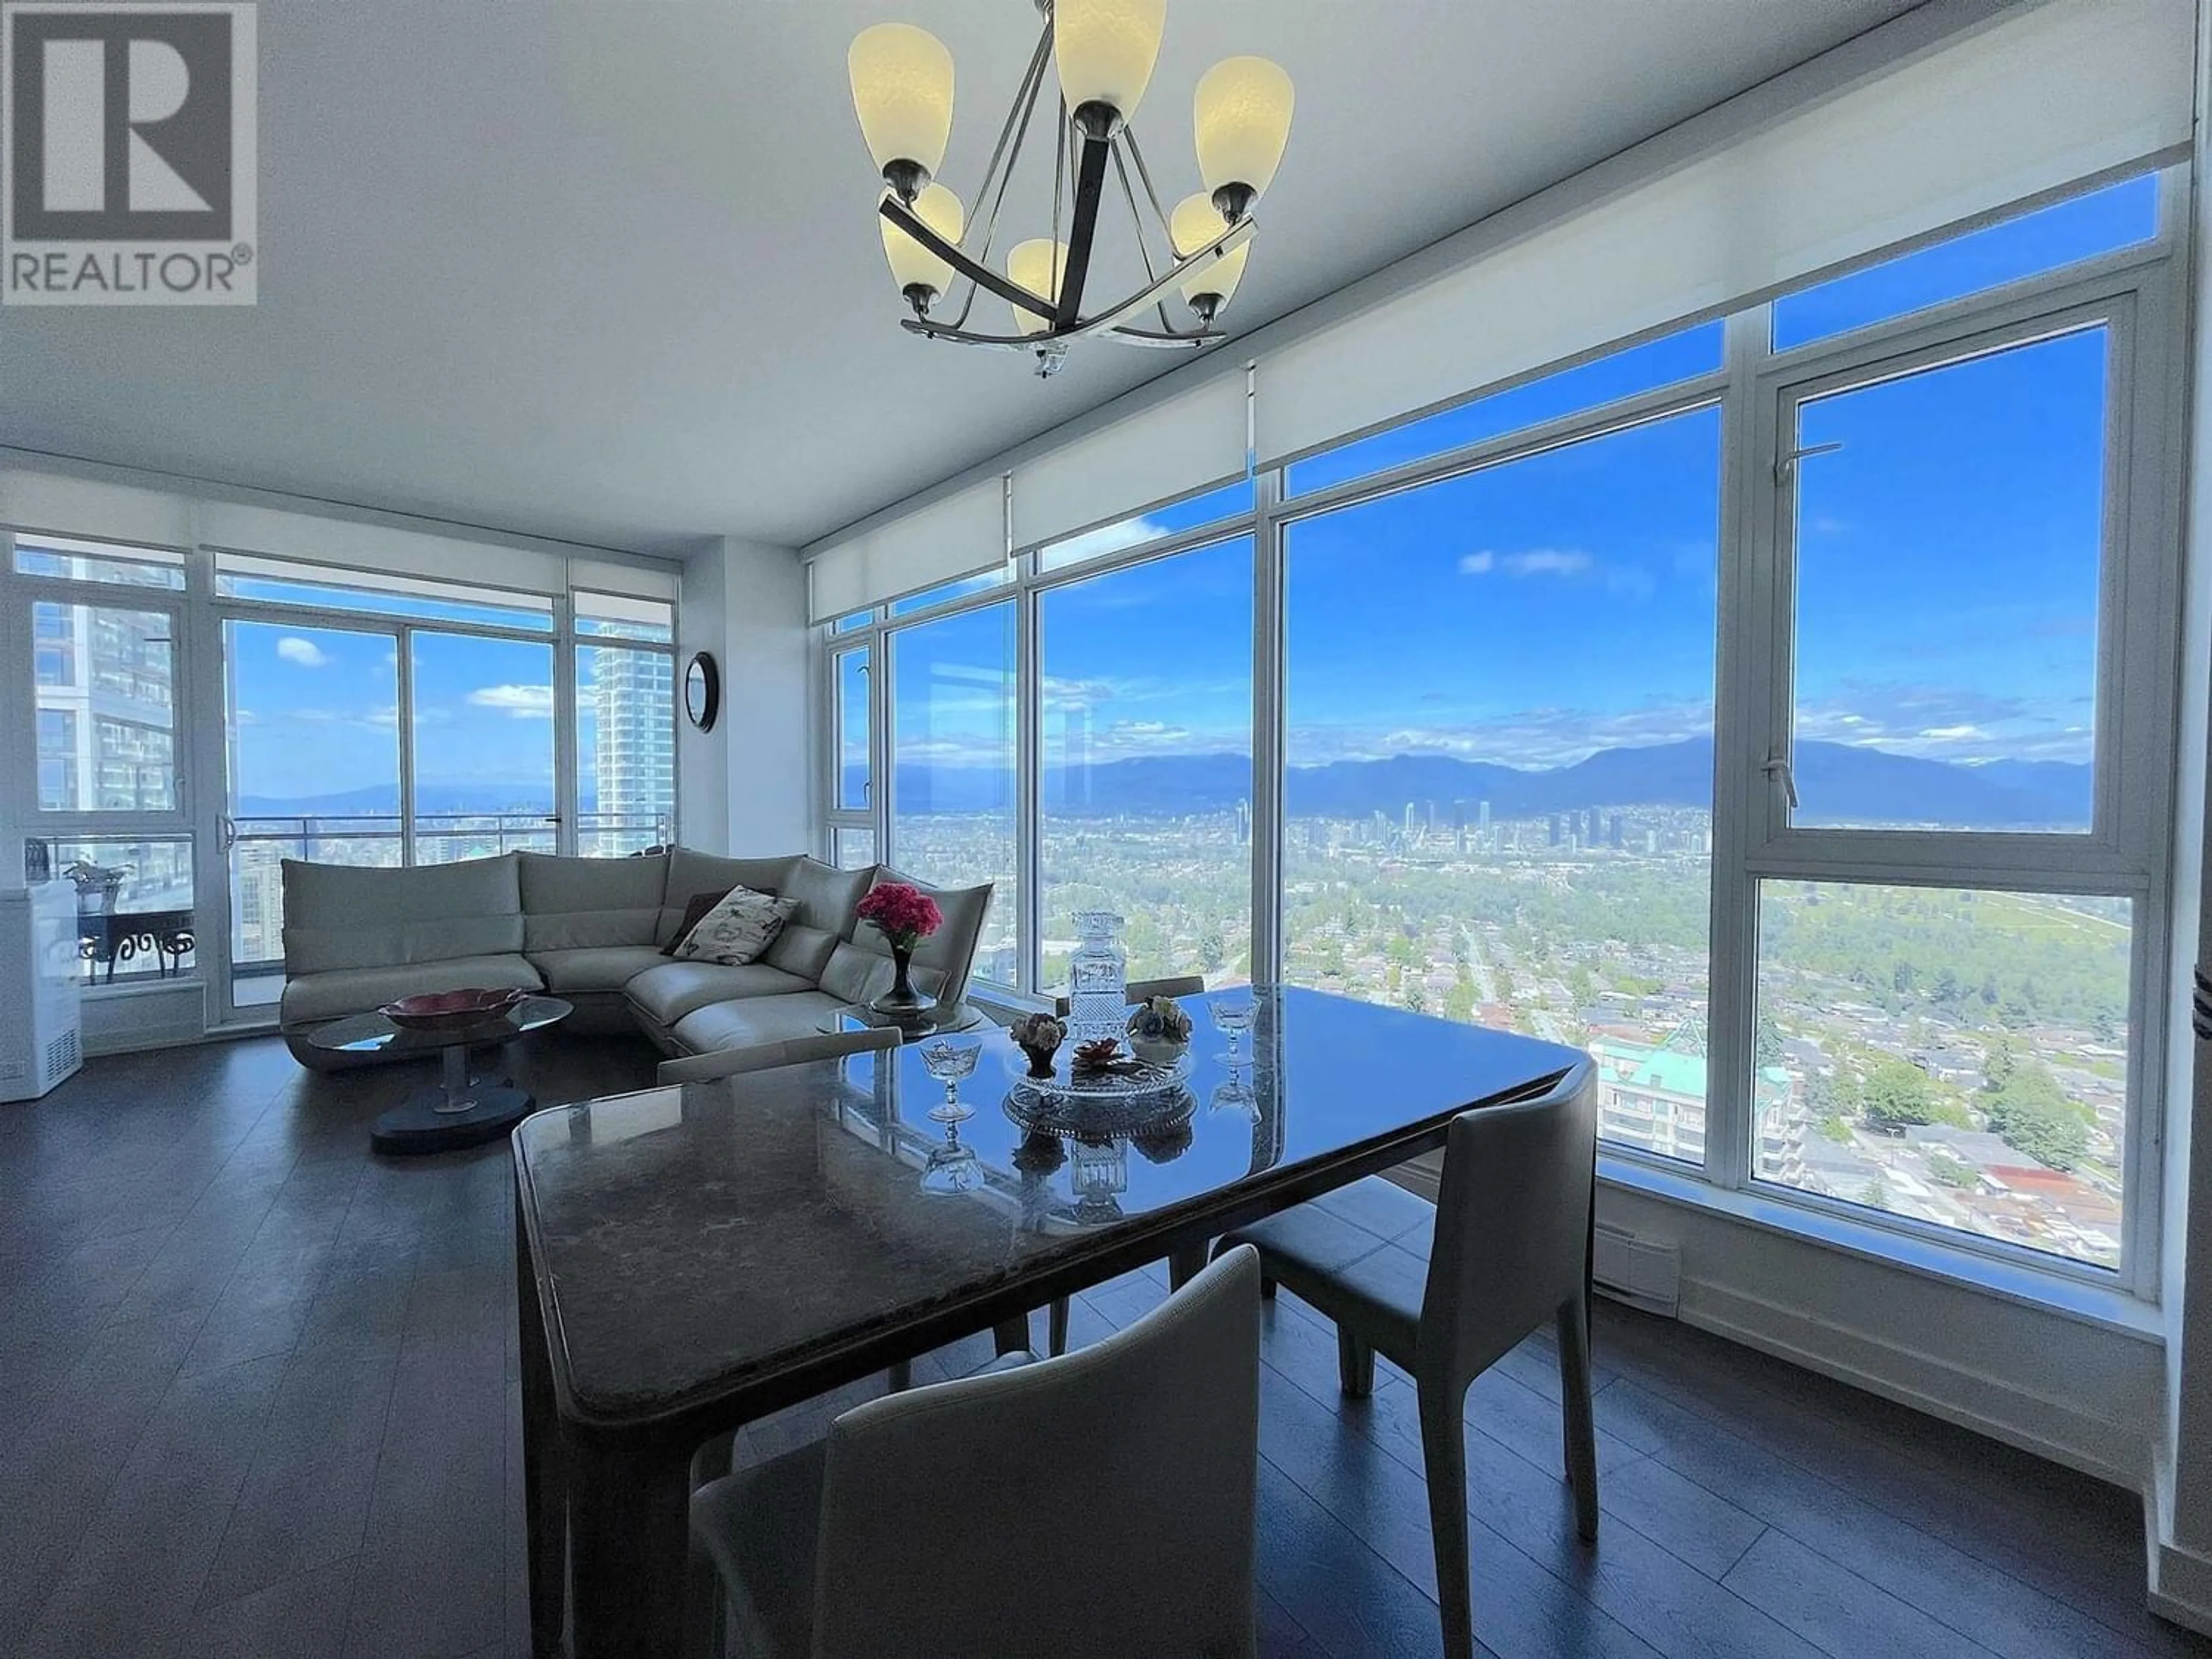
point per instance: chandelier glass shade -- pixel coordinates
(1104, 52)
(913, 265)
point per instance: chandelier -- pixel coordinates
(1104, 50)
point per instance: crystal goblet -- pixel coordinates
(950, 1063)
(1233, 1019)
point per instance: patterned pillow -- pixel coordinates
(738, 929)
(693, 913)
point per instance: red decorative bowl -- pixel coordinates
(449, 1011)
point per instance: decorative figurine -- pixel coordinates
(1099, 1054)
(1159, 1030)
(1039, 1037)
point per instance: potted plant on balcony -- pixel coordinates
(904, 916)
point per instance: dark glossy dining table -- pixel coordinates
(696, 1257)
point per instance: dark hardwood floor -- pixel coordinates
(257, 1396)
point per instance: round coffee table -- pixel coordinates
(461, 1110)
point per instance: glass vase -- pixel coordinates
(1097, 980)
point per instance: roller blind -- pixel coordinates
(957, 536)
(640, 581)
(62, 505)
(2035, 100)
(1173, 448)
(357, 545)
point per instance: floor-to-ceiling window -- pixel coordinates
(345, 715)
(1745, 705)
(953, 768)
(1145, 794)
(1499, 690)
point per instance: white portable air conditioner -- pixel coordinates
(41, 1040)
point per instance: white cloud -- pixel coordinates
(522, 703)
(304, 654)
(1524, 738)
(1535, 561)
(1549, 561)
(1107, 538)
(1954, 734)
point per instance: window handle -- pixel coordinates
(1777, 768)
(1786, 464)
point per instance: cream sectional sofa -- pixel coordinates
(593, 932)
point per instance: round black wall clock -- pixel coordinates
(703, 691)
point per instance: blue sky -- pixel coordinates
(1536, 613)
(316, 711)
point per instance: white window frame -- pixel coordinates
(199, 697)
(2142, 292)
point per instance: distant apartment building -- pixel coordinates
(633, 751)
(107, 720)
(1653, 1098)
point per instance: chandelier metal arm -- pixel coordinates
(1232, 237)
(1033, 343)
(1137, 154)
(982, 275)
(1016, 133)
(1089, 191)
(1137, 224)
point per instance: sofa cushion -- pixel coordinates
(737, 930)
(753, 1021)
(856, 974)
(826, 895)
(576, 903)
(802, 950)
(694, 914)
(310, 999)
(667, 992)
(595, 967)
(690, 873)
(338, 916)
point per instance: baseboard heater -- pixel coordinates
(1638, 1271)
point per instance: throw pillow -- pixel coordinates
(693, 912)
(738, 929)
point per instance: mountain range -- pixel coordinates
(1835, 780)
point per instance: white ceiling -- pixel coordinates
(608, 270)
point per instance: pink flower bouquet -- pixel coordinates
(902, 914)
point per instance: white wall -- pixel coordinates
(702, 758)
(768, 724)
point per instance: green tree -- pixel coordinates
(1943, 1167)
(2033, 1114)
(1897, 1095)
(1766, 1043)
(1876, 1194)
(1213, 951)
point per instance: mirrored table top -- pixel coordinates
(687, 1237)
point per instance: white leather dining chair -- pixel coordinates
(1445, 1290)
(1090, 1507)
